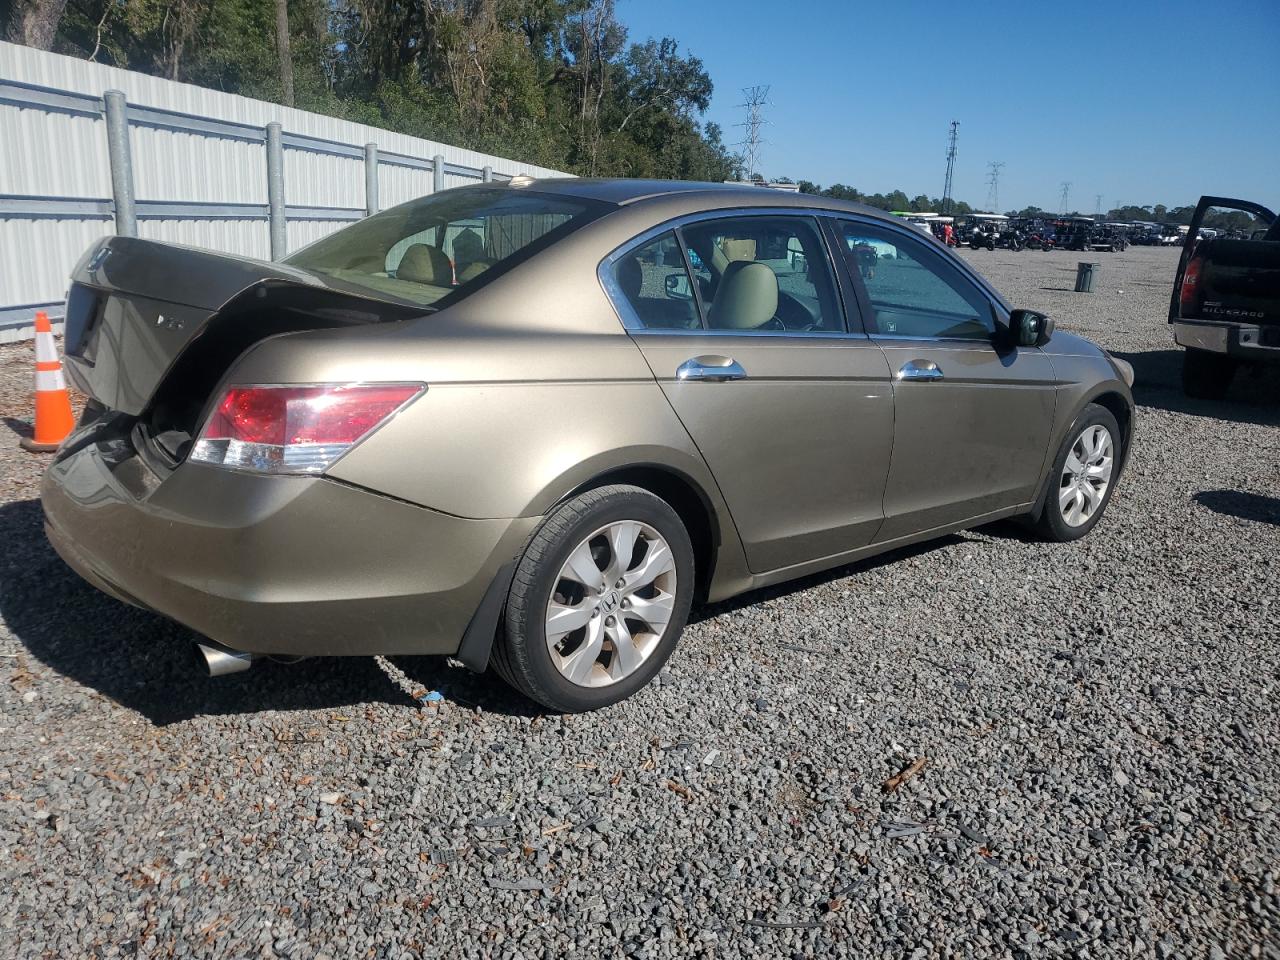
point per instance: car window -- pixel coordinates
(653, 281)
(913, 291)
(436, 250)
(763, 274)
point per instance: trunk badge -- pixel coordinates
(169, 323)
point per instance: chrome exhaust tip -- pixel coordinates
(220, 661)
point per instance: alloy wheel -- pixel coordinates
(611, 603)
(1086, 475)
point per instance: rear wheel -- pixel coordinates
(1081, 483)
(598, 600)
(1207, 376)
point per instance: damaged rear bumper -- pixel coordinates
(275, 565)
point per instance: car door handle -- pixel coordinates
(712, 368)
(920, 370)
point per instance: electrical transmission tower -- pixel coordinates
(952, 137)
(756, 100)
(1097, 204)
(993, 185)
(1066, 194)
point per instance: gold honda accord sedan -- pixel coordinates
(528, 424)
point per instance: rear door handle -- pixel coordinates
(920, 370)
(712, 368)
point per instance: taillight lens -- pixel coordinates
(1189, 296)
(295, 430)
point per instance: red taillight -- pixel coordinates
(1189, 296)
(295, 429)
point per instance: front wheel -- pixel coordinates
(598, 600)
(1083, 476)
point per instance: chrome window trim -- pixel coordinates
(980, 341)
(799, 334)
(634, 326)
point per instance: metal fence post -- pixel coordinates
(370, 179)
(275, 192)
(117, 113)
(487, 174)
(438, 162)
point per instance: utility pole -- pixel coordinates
(756, 100)
(993, 185)
(952, 137)
(1066, 195)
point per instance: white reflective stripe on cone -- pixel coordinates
(46, 349)
(50, 380)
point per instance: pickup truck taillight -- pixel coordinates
(296, 429)
(1189, 296)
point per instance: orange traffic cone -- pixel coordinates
(54, 419)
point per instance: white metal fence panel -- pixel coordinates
(245, 237)
(197, 162)
(211, 170)
(321, 180)
(32, 143)
(398, 184)
(303, 232)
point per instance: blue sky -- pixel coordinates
(1141, 101)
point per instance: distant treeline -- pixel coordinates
(549, 82)
(897, 200)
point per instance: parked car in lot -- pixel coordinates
(1225, 308)
(1086, 235)
(634, 394)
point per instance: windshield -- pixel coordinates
(436, 250)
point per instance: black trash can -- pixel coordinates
(1084, 277)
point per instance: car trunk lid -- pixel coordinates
(142, 314)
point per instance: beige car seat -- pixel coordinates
(747, 297)
(422, 263)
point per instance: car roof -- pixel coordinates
(626, 192)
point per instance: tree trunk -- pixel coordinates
(282, 50)
(34, 23)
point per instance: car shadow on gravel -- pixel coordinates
(1157, 382)
(148, 663)
(707, 611)
(1237, 503)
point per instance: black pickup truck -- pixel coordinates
(1225, 308)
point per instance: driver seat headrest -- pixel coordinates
(422, 263)
(747, 297)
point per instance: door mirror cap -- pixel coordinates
(1029, 328)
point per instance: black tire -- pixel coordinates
(1207, 376)
(1051, 525)
(521, 656)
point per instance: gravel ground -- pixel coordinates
(1097, 725)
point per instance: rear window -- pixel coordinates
(436, 250)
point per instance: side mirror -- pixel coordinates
(677, 286)
(1029, 328)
